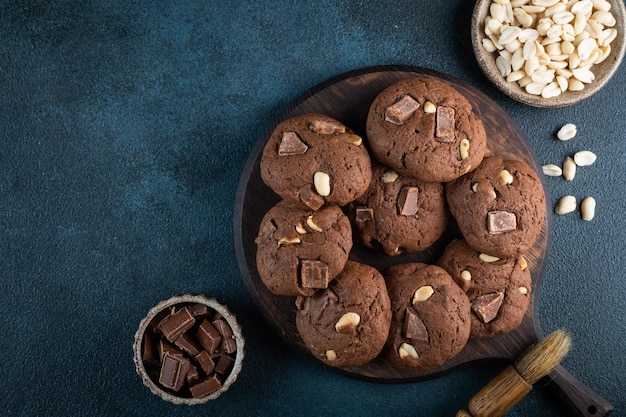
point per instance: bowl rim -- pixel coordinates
(187, 299)
(486, 61)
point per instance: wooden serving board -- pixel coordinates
(347, 98)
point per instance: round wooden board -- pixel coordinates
(347, 98)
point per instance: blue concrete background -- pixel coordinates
(125, 126)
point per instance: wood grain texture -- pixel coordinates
(347, 98)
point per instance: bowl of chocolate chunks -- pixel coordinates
(188, 349)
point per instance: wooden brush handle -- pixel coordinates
(579, 397)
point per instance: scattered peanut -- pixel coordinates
(566, 132)
(588, 208)
(552, 170)
(569, 168)
(565, 205)
(535, 40)
(584, 158)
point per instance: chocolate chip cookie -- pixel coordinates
(348, 323)
(312, 160)
(398, 214)
(425, 129)
(430, 316)
(500, 207)
(301, 251)
(498, 292)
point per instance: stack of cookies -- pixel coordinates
(423, 159)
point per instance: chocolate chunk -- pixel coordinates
(177, 324)
(401, 111)
(313, 274)
(208, 336)
(266, 234)
(290, 144)
(310, 198)
(228, 339)
(166, 347)
(192, 374)
(187, 343)
(501, 221)
(364, 214)
(173, 371)
(205, 362)
(199, 310)
(407, 201)
(150, 353)
(205, 387)
(326, 127)
(444, 132)
(414, 327)
(224, 364)
(487, 306)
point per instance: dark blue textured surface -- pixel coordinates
(124, 129)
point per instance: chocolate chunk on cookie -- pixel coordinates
(430, 316)
(499, 291)
(425, 129)
(301, 251)
(398, 214)
(346, 324)
(312, 160)
(500, 207)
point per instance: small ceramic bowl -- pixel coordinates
(603, 71)
(209, 381)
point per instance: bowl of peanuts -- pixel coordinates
(549, 53)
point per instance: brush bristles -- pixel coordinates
(544, 356)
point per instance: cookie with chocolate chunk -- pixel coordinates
(430, 316)
(498, 292)
(500, 207)
(398, 214)
(348, 323)
(425, 129)
(312, 160)
(301, 251)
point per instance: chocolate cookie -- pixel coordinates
(301, 251)
(348, 323)
(500, 207)
(398, 214)
(424, 128)
(499, 292)
(430, 316)
(312, 160)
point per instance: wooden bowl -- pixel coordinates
(603, 71)
(150, 376)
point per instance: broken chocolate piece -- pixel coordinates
(487, 306)
(205, 387)
(205, 362)
(444, 131)
(501, 221)
(399, 112)
(364, 214)
(165, 347)
(177, 324)
(208, 336)
(224, 364)
(187, 343)
(313, 274)
(173, 371)
(150, 354)
(228, 339)
(199, 310)
(326, 127)
(414, 327)
(310, 198)
(192, 374)
(407, 201)
(290, 144)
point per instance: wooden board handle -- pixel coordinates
(579, 397)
